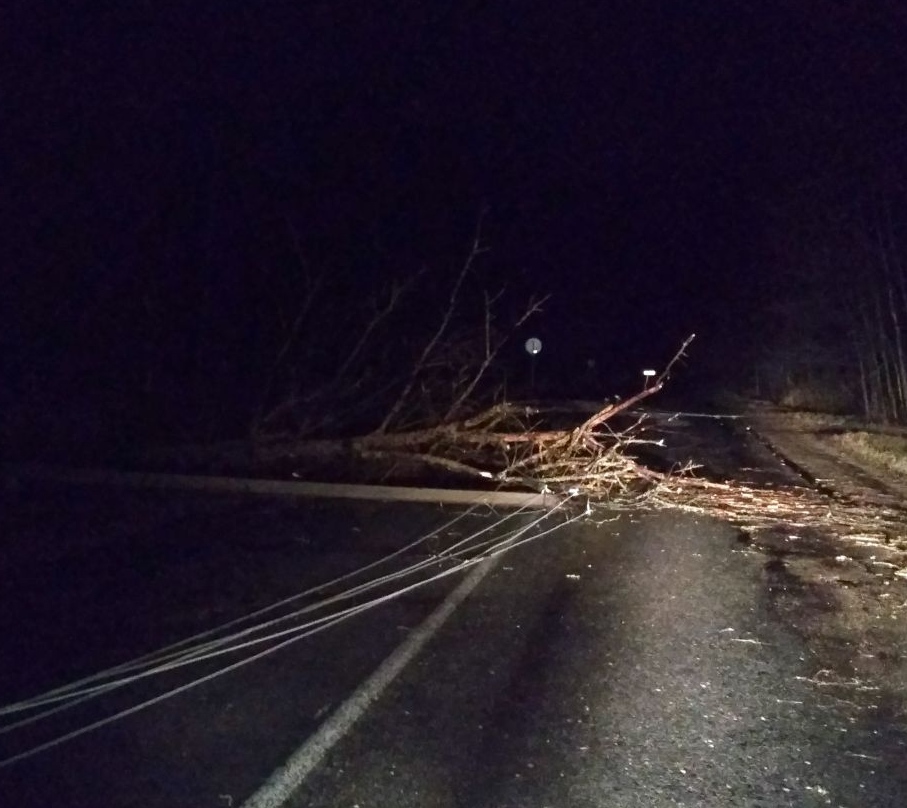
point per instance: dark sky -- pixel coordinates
(626, 155)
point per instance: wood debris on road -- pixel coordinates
(757, 509)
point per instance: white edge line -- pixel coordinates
(284, 781)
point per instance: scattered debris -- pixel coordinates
(755, 510)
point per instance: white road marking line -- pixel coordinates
(279, 787)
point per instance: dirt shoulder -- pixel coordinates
(846, 593)
(818, 446)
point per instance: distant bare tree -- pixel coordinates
(836, 326)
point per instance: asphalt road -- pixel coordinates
(635, 663)
(632, 659)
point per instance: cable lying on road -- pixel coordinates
(186, 649)
(213, 643)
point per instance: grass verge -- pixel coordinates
(885, 452)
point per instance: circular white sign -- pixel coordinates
(533, 345)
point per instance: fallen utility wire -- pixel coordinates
(188, 647)
(76, 693)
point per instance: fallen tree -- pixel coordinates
(503, 445)
(392, 395)
(437, 412)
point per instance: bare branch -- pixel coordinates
(475, 251)
(379, 314)
(612, 409)
(432, 461)
(491, 351)
(312, 288)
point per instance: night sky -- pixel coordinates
(169, 170)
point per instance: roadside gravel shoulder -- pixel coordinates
(803, 442)
(861, 643)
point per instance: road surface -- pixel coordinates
(620, 659)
